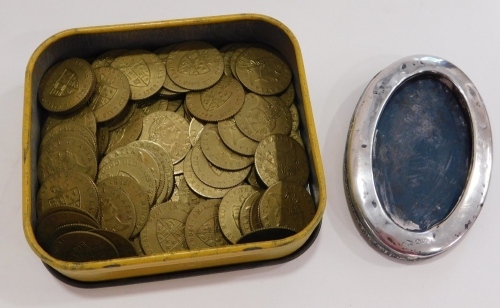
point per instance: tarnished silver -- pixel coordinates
(380, 229)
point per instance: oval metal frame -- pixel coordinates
(375, 223)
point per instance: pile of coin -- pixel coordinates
(186, 147)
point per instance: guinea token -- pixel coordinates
(195, 128)
(229, 211)
(122, 118)
(288, 97)
(111, 94)
(124, 246)
(202, 226)
(218, 153)
(105, 59)
(195, 65)
(244, 217)
(169, 130)
(217, 103)
(126, 133)
(286, 205)
(169, 84)
(262, 71)
(281, 158)
(102, 138)
(235, 139)
(69, 129)
(82, 246)
(84, 117)
(144, 70)
(67, 86)
(260, 117)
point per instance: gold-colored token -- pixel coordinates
(287, 205)
(84, 117)
(66, 228)
(67, 154)
(145, 72)
(118, 212)
(260, 117)
(69, 129)
(262, 71)
(218, 153)
(288, 97)
(82, 246)
(165, 163)
(136, 242)
(195, 65)
(281, 158)
(234, 57)
(235, 139)
(295, 118)
(227, 52)
(212, 175)
(179, 167)
(197, 185)
(67, 86)
(105, 59)
(217, 103)
(68, 188)
(124, 247)
(229, 211)
(136, 194)
(133, 168)
(164, 231)
(111, 95)
(254, 179)
(186, 194)
(152, 104)
(102, 138)
(244, 217)
(169, 130)
(169, 84)
(126, 133)
(255, 222)
(202, 226)
(195, 128)
(296, 136)
(123, 117)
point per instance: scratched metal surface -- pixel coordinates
(421, 153)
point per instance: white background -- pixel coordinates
(344, 44)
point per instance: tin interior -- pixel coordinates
(90, 42)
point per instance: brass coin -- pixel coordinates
(281, 158)
(227, 52)
(186, 194)
(244, 217)
(123, 246)
(202, 226)
(82, 246)
(69, 129)
(165, 229)
(229, 211)
(66, 228)
(217, 103)
(262, 71)
(67, 86)
(118, 211)
(195, 128)
(152, 104)
(136, 194)
(169, 84)
(255, 222)
(68, 188)
(169, 130)
(195, 65)
(48, 224)
(111, 94)
(197, 185)
(234, 57)
(296, 136)
(67, 154)
(286, 205)
(260, 117)
(84, 117)
(105, 59)
(165, 163)
(145, 72)
(102, 138)
(179, 167)
(136, 242)
(235, 139)
(218, 153)
(164, 93)
(123, 117)
(295, 118)
(288, 97)
(126, 133)
(212, 175)
(133, 168)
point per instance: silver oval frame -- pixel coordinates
(375, 223)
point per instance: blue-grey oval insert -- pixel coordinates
(421, 153)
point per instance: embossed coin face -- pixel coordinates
(84, 117)
(169, 84)
(195, 65)
(218, 153)
(195, 128)
(67, 86)
(69, 129)
(286, 205)
(202, 226)
(105, 59)
(144, 70)
(130, 131)
(165, 229)
(245, 224)
(229, 211)
(111, 94)
(82, 246)
(281, 158)
(218, 102)
(169, 130)
(235, 139)
(262, 71)
(260, 117)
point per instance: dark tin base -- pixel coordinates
(185, 274)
